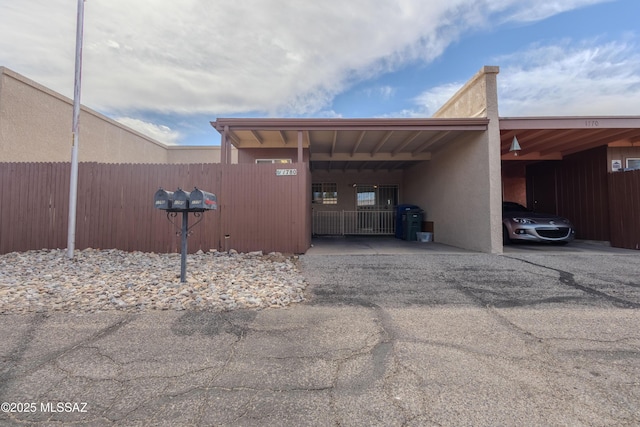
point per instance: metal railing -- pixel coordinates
(368, 222)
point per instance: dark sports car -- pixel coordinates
(522, 224)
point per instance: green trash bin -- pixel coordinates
(411, 224)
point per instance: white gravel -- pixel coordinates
(99, 280)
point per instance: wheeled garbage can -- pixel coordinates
(412, 224)
(401, 210)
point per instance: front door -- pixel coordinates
(542, 188)
(374, 208)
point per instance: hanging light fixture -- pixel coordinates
(515, 146)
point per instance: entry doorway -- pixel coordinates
(374, 207)
(373, 213)
(542, 191)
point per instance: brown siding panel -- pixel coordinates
(624, 203)
(257, 209)
(583, 193)
(590, 197)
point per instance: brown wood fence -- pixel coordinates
(575, 188)
(624, 208)
(582, 193)
(257, 210)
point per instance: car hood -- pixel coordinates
(532, 215)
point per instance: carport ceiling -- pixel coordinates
(353, 144)
(552, 138)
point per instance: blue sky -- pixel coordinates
(168, 68)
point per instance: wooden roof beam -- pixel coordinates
(358, 142)
(531, 147)
(307, 135)
(333, 143)
(594, 140)
(257, 136)
(379, 166)
(406, 142)
(283, 136)
(234, 138)
(379, 145)
(429, 142)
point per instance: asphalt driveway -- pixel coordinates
(406, 339)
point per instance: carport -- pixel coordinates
(565, 167)
(448, 165)
(361, 168)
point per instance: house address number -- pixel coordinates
(591, 123)
(286, 172)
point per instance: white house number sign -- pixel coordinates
(286, 172)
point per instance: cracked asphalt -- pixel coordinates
(406, 339)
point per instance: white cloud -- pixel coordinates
(570, 78)
(536, 10)
(383, 92)
(160, 133)
(214, 56)
(588, 79)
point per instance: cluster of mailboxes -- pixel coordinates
(181, 201)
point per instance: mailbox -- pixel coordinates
(202, 200)
(180, 200)
(194, 202)
(163, 199)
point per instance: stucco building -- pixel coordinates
(457, 165)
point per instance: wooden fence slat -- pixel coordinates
(624, 203)
(257, 209)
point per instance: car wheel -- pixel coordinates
(505, 236)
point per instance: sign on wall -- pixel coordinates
(286, 172)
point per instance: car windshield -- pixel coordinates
(513, 207)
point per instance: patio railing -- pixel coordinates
(340, 223)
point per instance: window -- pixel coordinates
(273, 161)
(366, 196)
(325, 193)
(376, 197)
(633, 163)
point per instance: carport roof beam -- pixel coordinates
(406, 142)
(379, 145)
(358, 142)
(283, 136)
(351, 124)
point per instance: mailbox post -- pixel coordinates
(196, 202)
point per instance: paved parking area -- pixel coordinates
(423, 338)
(380, 245)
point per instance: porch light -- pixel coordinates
(515, 146)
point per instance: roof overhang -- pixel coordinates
(553, 138)
(348, 144)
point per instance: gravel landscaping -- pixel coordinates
(100, 280)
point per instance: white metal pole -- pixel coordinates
(73, 182)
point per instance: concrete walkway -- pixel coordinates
(411, 339)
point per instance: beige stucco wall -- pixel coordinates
(460, 187)
(197, 154)
(249, 155)
(35, 126)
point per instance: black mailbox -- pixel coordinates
(202, 200)
(163, 199)
(180, 200)
(195, 202)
